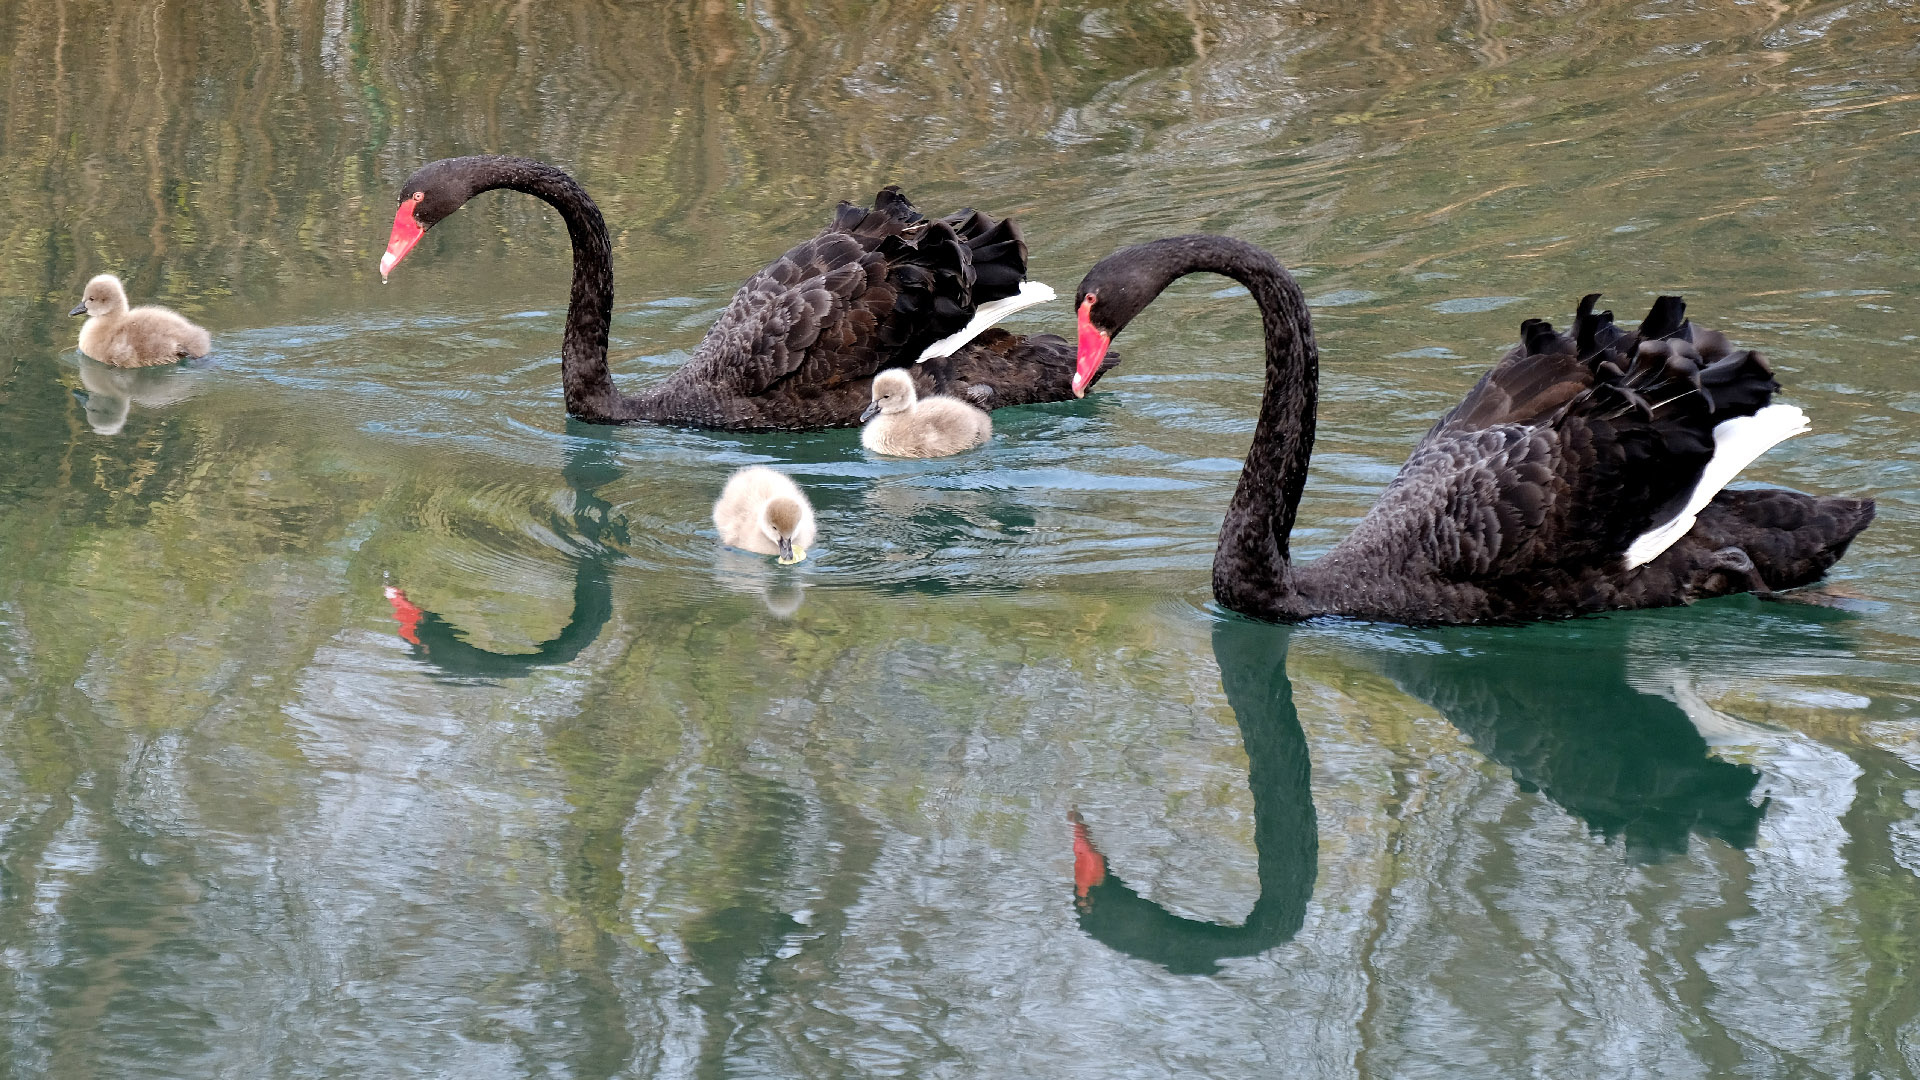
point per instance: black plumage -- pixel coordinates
(1522, 501)
(798, 346)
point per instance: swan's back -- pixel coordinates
(1571, 478)
(799, 341)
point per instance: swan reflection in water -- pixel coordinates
(592, 463)
(1554, 706)
(1286, 839)
(110, 393)
(1560, 711)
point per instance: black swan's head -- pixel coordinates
(1113, 292)
(437, 190)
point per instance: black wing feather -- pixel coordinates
(1571, 447)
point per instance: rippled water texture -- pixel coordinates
(986, 787)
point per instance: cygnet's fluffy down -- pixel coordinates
(763, 511)
(903, 424)
(137, 337)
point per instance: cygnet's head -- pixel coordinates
(780, 521)
(892, 393)
(104, 296)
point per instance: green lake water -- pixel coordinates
(620, 803)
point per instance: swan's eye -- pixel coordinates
(418, 195)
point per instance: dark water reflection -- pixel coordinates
(628, 805)
(1561, 712)
(1253, 669)
(591, 463)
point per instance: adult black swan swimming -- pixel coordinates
(800, 344)
(1584, 473)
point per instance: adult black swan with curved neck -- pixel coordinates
(799, 345)
(1584, 473)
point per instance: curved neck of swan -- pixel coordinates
(1252, 570)
(589, 387)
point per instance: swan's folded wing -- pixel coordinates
(1634, 455)
(1581, 446)
(1523, 388)
(824, 295)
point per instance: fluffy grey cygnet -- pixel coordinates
(134, 337)
(900, 423)
(764, 512)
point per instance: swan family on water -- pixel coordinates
(1587, 471)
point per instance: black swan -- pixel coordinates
(1584, 473)
(798, 347)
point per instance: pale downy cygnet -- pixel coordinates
(762, 511)
(137, 337)
(902, 424)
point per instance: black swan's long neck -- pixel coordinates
(589, 387)
(1252, 571)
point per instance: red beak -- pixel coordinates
(1093, 348)
(406, 233)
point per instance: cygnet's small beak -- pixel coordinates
(790, 554)
(872, 410)
(79, 309)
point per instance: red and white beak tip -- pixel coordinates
(1093, 349)
(406, 233)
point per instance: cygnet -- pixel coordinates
(765, 512)
(136, 337)
(900, 423)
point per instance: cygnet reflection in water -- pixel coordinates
(111, 393)
(137, 337)
(900, 423)
(765, 512)
(781, 593)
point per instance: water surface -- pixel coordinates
(987, 787)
